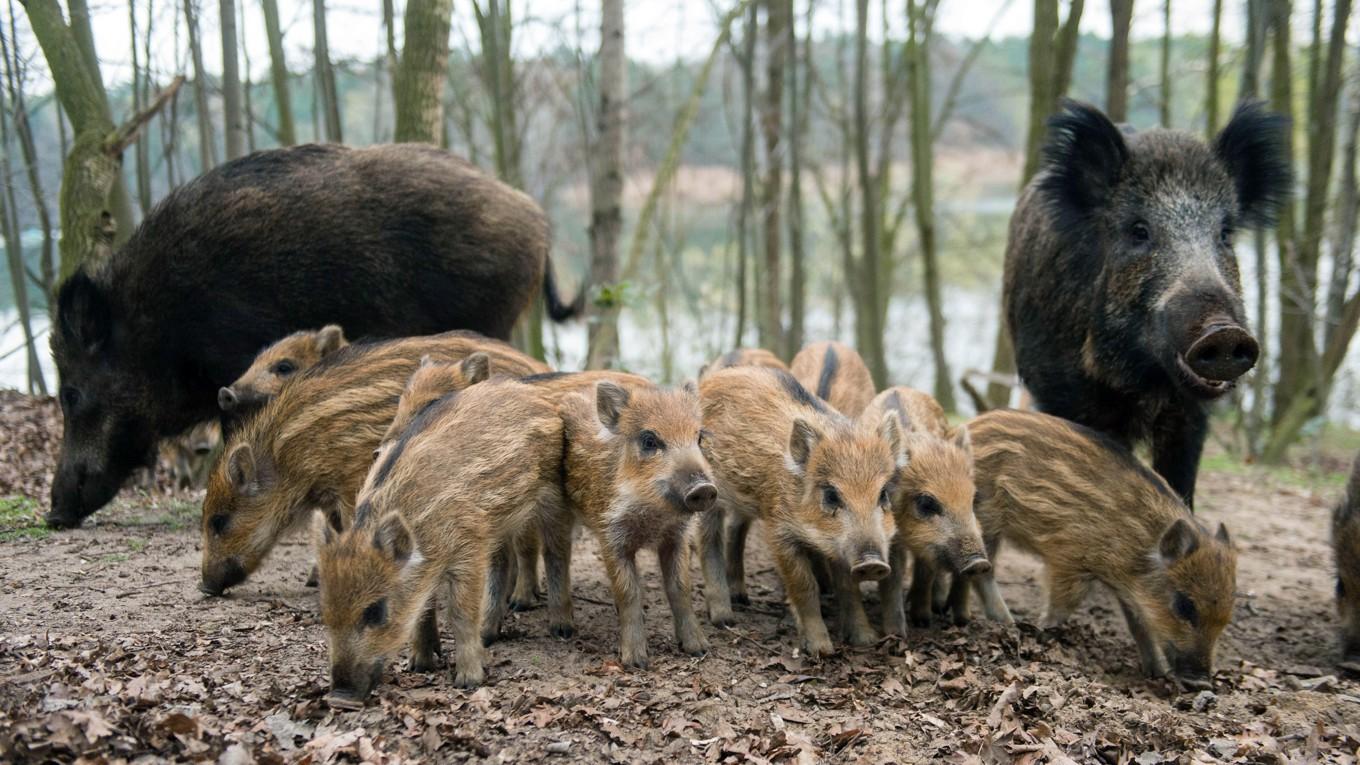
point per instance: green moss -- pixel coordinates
(21, 519)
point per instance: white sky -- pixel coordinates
(658, 30)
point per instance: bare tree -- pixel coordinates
(14, 246)
(1164, 68)
(422, 72)
(1065, 48)
(778, 19)
(746, 61)
(868, 327)
(1117, 81)
(800, 92)
(207, 145)
(14, 82)
(142, 166)
(278, 72)
(606, 189)
(325, 75)
(231, 81)
(1212, 74)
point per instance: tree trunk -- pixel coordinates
(1250, 87)
(141, 166)
(24, 130)
(247, 100)
(14, 248)
(422, 71)
(1164, 69)
(1295, 334)
(867, 316)
(799, 97)
(1065, 49)
(325, 75)
(1347, 211)
(1211, 77)
(748, 171)
(207, 145)
(923, 187)
(278, 72)
(1117, 79)
(778, 20)
(121, 201)
(1042, 99)
(606, 203)
(231, 81)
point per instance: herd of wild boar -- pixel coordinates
(432, 460)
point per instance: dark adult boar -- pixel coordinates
(386, 241)
(1121, 288)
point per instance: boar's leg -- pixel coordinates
(1149, 653)
(621, 567)
(465, 617)
(425, 644)
(854, 623)
(716, 593)
(527, 548)
(890, 589)
(497, 584)
(737, 529)
(673, 554)
(805, 600)
(1177, 441)
(922, 592)
(555, 529)
(1066, 591)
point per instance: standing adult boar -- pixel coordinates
(385, 241)
(1122, 292)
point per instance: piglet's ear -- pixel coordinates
(1082, 162)
(890, 428)
(963, 440)
(802, 440)
(691, 388)
(1222, 535)
(610, 401)
(476, 368)
(1254, 146)
(393, 538)
(330, 339)
(243, 470)
(1178, 541)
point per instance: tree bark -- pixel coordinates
(606, 204)
(1164, 68)
(868, 325)
(1065, 49)
(232, 111)
(207, 144)
(121, 201)
(1347, 211)
(141, 165)
(1295, 333)
(422, 71)
(799, 98)
(14, 247)
(278, 72)
(746, 206)
(1211, 76)
(325, 75)
(1117, 78)
(24, 130)
(778, 19)
(247, 101)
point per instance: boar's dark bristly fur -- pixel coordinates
(1346, 556)
(1122, 292)
(386, 241)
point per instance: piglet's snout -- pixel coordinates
(870, 567)
(701, 496)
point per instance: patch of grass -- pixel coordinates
(1301, 477)
(20, 519)
(114, 558)
(136, 545)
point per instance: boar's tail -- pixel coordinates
(557, 310)
(979, 400)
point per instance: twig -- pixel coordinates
(127, 132)
(754, 642)
(588, 599)
(139, 588)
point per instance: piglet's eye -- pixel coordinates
(1185, 608)
(376, 614)
(649, 442)
(830, 497)
(927, 506)
(283, 368)
(219, 523)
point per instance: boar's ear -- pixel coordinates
(84, 313)
(245, 471)
(1082, 160)
(890, 428)
(1254, 147)
(802, 440)
(1178, 541)
(330, 339)
(1222, 535)
(610, 401)
(394, 539)
(475, 368)
(964, 440)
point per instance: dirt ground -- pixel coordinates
(108, 653)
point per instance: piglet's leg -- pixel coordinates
(854, 623)
(497, 597)
(1154, 662)
(556, 530)
(465, 616)
(673, 554)
(890, 590)
(716, 593)
(804, 598)
(1065, 594)
(992, 603)
(425, 644)
(737, 528)
(527, 548)
(923, 575)
(627, 587)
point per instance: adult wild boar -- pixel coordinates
(1122, 292)
(385, 241)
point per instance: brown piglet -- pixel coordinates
(837, 374)
(277, 364)
(743, 357)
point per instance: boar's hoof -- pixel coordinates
(695, 646)
(563, 631)
(489, 637)
(641, 662)
(60, 521)
(819, 649)
(741, 599)
(1195, 682)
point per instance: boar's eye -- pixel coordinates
(1340, 588)
(283, 368)
(1140, 233)
(927, 506)
(650, 443)
(69, 397)
(831, 498)
(219, 523)
(376, 613)
(1225, 236)
(1185, 608)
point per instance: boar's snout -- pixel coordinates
(870, 567)
(701, 497)
(77, 491)
(225, 575)
(1224, 352)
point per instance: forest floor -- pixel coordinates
(109, 653)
